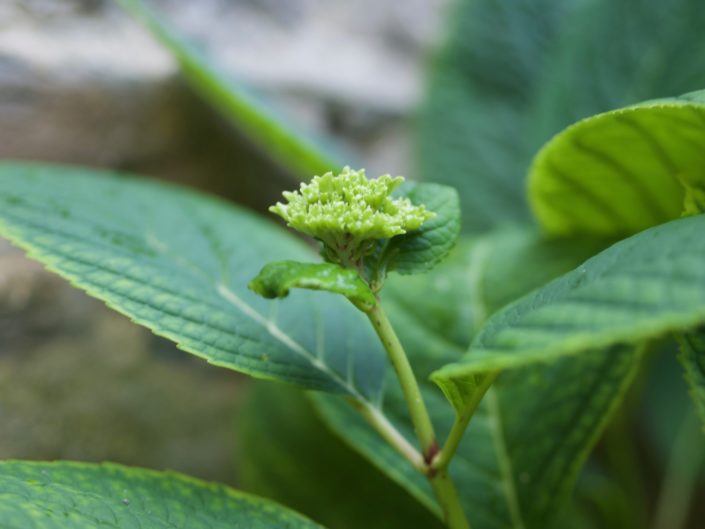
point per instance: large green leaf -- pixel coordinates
(86, 496)
(521, 454)
(623, 171)
(287, 454)
(470, 126)
(295, 151)
(617, 53)
(639, 289)
(178, 263)
(692, 356)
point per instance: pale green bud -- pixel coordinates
(348, 212)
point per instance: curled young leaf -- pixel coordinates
(276, 279)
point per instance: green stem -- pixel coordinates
(447, 496)
(412, 393)
(443, 487)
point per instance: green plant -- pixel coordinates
(555, 340)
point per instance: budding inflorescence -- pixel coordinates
(349, 212)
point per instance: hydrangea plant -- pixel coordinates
(512, 355)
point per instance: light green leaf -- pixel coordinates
(623, 171)
(276, 279)
(288, 454)
(520, 430)
(178, 262)
(637, 290)
(614, 54)
(85, 496)
(422, 249)
(692, 356)
(480, 89)
(293, 150)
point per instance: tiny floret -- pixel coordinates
(348, 212)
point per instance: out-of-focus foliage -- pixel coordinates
(513, 74)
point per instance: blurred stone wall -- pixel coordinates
(82, 83)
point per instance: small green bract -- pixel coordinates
(349, 212)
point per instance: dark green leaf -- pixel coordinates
(287, 454)
(178, 263)
(295, 151)
(86, 496)
(276, 279)
(623, 171)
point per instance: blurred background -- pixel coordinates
(83, 83)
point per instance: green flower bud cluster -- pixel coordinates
(349, 212)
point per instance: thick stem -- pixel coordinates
(443, 487)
